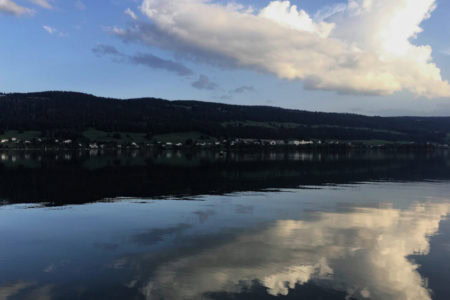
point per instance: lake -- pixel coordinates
(207, 225)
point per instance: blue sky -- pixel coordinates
(64, 46)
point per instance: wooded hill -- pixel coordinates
(69, 113)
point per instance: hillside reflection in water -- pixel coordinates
(361, 226)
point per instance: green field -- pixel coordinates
(359, 128)
(274, 125)
(25, 135)
(122, 137)
(278, 125)
(179, 137)
(126, 137)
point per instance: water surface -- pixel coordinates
(239, 226)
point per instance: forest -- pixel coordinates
(69, 114)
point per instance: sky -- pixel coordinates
(375, 57)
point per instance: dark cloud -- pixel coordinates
(225, 97)
(236, 91)
(101, 50)
(148, 60)
(155, 62)
(242, 89)
(203, 83)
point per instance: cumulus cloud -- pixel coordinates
(11, 8)
(204, 83)
(362, 46)
(362, 252)
(148, 60)
(130, 13)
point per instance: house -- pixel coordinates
(67, 142)
(4, 141)
(300, 142)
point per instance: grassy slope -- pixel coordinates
(20, 135)
(104, 137)
(178, 137)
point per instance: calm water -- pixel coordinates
(238, 226)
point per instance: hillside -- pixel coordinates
(71, 114)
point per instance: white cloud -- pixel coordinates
(12, 8)
(283, 13)
(42, 3)
(363, 252)
(52, 30)
(362, 47)
(130, 13)
(49, 29)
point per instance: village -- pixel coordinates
(209, 143)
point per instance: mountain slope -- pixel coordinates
(76, 112)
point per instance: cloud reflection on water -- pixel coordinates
(363, 251)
